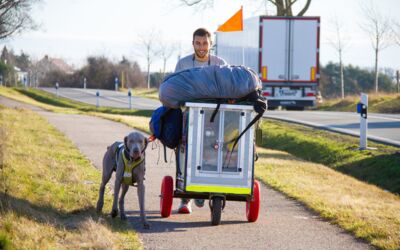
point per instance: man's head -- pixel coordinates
(201, 43)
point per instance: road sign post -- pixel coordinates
(130, 98)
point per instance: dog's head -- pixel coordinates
(135, 144)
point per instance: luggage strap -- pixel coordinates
(259, 106)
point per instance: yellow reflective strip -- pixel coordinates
(312, 73)
(218, 189)
(264, 72)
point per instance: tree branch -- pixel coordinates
(303, 11)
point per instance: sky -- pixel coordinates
(75, 29)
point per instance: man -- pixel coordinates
(200, 58)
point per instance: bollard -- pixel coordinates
(130, 98)
(116, 83)
(57, 86)
(362, 109)
(97, 99)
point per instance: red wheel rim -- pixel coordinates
(253, 206)
(166, 196)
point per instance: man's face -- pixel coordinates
(201, 45)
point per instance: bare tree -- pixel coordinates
(166, 51)
(151, 51)
(15, 17)
(340, 43)
(378, 28)
(283, 7)
(396, 33)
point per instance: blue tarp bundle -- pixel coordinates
(210, 82)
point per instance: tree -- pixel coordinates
(340, 44)
(131, 74)
(166, 51)
(378, 28)
(396, 33)
(283, 7)
(150, 51)
(357, 80)
(15, 17)
(23, 61)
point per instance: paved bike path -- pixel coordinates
(283, 223)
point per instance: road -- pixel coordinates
(283, 222)
(381, 127)
(107, 98)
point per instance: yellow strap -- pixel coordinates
(128, 167)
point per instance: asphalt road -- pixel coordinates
(283, 223)
(107, 98)
(381, 127)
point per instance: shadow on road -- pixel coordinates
(159, 224)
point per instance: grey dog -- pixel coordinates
(133, 147)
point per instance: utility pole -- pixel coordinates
(398, 80)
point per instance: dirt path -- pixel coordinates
(282, 224)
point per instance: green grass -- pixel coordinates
(377, 103)
(345, 186)
(151, 93)
(48, 190)
(380, 167)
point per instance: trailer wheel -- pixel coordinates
(253, 206)
(166, 196)
(216, 209)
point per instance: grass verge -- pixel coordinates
(334, 189)
(377, 103)
(47, 191)
(380, 167)
(144, 92)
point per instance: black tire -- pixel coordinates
(216, 210)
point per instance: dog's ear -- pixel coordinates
(126, 143)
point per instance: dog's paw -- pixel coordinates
(146, 225)
(123, 217)
(114, 213)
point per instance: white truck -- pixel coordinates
(284, 51)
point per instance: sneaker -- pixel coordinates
(185, 207)
(199, 202)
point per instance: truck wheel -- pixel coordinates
(253, 206)
(166, 196)
(216, 209)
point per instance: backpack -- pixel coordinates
(166, 126)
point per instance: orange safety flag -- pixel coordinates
(235, 23)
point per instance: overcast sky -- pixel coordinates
(75, 29)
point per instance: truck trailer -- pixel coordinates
(284, 51)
